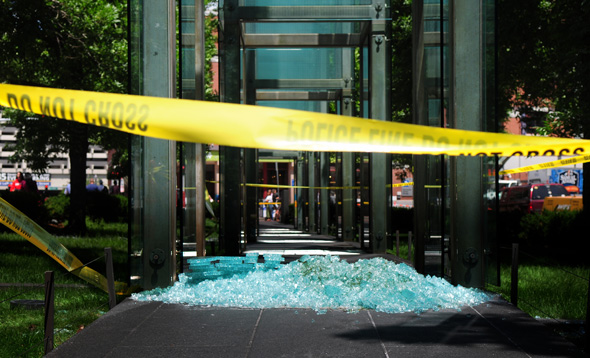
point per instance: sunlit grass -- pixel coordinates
(21, 330)
(545, 289)
(403, 248)
(558, 292)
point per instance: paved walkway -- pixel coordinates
(154, 329)
(292, 244)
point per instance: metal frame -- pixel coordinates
(155, 76)
(373, 24)
(451, 190)
(193, 216)
(153, 198)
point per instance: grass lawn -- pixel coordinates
(403, 247)
(555, 294)
(546, 289)
(549, 287)
(21, 330)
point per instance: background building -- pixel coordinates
(57, 174)
(571, 175)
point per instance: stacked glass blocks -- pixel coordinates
(214, 267)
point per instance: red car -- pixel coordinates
(529, 198)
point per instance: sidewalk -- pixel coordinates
(154, 329)
(279, 238)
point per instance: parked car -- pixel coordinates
(491, 193)
(505, 183)
(529, 198)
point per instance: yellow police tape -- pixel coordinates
(30, 230)
(279, 186)
(555, 164)
(250, 127)
(271, 128)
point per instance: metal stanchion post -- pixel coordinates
(410, 246)
(514, 276)
(49, 311)
(588, 319)
(397, 243)
(108, 254)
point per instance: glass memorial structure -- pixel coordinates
(301, 55)
(454, 87)
(331, 56)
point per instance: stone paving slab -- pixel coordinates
(155, 329)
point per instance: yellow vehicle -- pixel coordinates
(563, 203)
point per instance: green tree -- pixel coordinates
(211, 25)
(570, 65)
(401, 75)
(74, 44)
(544, 60)
(524, 78)
(401, 58)
(570, 62)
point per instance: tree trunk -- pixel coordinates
(78, 148)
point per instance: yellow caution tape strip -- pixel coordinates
(271, 186)
(400, 184)
(271, 128)
(30, 230)
(548, 165)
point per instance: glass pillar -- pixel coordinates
(431, 98)
(153, 179)
(250, 193)
(230, 157)
(348, 159)
(192, 158)
(324, 172)
(469, 179)
(380, 109)
(453, 87)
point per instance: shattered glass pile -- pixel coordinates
(210, 268)
(316, 282)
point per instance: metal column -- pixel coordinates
(467, 210)
(153, 196)
(229, 157)
(348, 197)
(419, 109)
(380, 108)
(311, 196)
(300, 196)
(348, 159)
(324, 193)
(194, 153)
(250, 193)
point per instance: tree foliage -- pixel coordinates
(401, 76)
(570, 61)
(543, 62)
(73, 44)
(211, 25)
(523, 80)
(401, 57)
